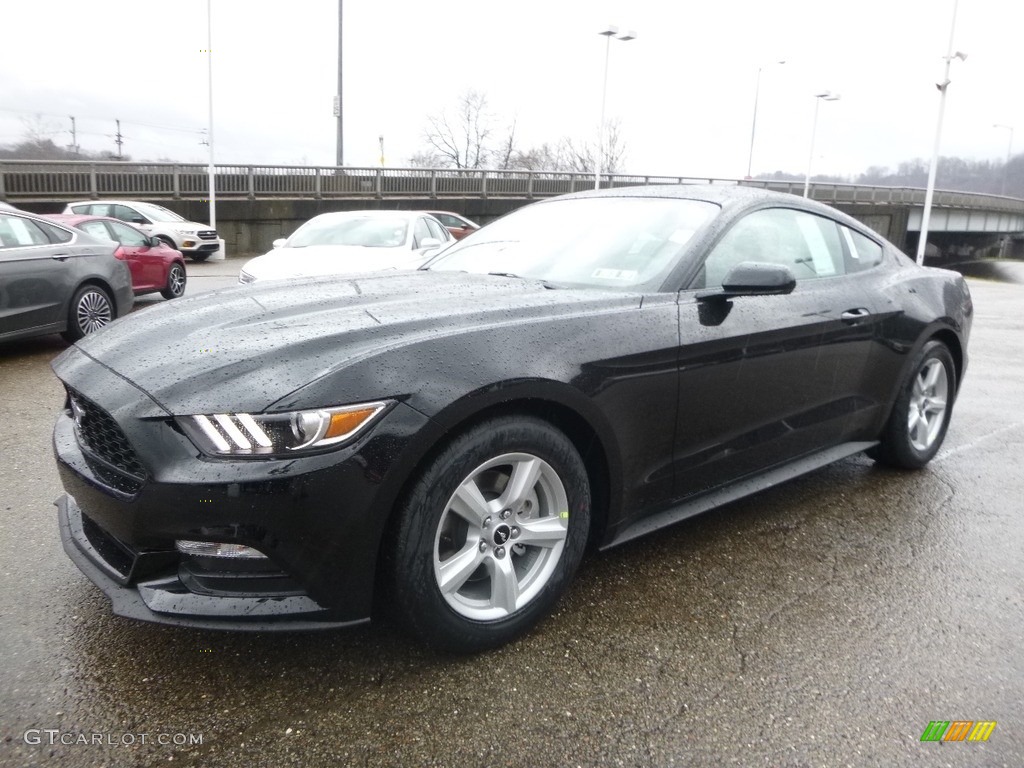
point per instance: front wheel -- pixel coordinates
(490, 535)
(175, 282)
(920, 416)
(91, 309)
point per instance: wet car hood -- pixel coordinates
(245, 348)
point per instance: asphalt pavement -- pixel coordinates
(825, 622)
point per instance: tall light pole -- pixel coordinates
(1009, 152)
(818, 98)
(209, 118)
(609, 32)
(338, 106)
(926, 214)
(753, 122)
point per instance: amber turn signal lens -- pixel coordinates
(343, 423)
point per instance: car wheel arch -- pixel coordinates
(938, 332)
(602, 470)
(99, 283)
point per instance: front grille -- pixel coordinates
(99, 435)
(207, 234)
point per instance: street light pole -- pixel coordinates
(818, 98)
(609, 32)
(339, 110)
(929, 193)
(1009, 153)
(211, 172)
(753, 122)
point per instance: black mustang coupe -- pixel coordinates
(446, 443)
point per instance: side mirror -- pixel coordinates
(754, 278)
(137, 220)
(154, 242)
(279, 242)
(427, 243)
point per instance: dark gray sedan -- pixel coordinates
(54, 279)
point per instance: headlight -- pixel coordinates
(260, 435)
(244, 277)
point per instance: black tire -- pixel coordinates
(199, 256)
(429, 533)
(917, 426)
(91, 308)
(176, 279)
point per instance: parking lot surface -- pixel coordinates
(825, 622)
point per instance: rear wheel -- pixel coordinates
(175, 282)
(920, 416)
(91, 309)
(490, 535)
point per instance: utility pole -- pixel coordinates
(118, 139)
(74, 136)
(339, 110)
(211, 170)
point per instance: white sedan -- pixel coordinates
(350, 242)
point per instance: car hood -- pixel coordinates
(246, 348)
(314, 260)
(189, 226)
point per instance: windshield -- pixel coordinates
(158, 212)
(602, 242)
(376, 232)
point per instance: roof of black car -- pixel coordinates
(715, 193)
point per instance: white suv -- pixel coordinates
(196, 241)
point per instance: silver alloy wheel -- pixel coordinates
(501, 536)
(928, 401)
(176, 280)
(93, 311)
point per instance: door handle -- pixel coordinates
(854, 315)
(60, 256)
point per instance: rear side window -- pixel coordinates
(863, 252)
(56, 234)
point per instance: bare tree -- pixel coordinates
(37, 130)
(570, 154)
(460, 137)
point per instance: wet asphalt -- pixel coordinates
(825, 622)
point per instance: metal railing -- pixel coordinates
(37, 181)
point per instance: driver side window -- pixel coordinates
(808, 244)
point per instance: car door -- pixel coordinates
(35, 279)
(146, 264)
(765, 379)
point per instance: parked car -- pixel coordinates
(458, 226)
(154, 265)
(54, 279)
(447, 442)
(7, 206)
(347, 242)
(197, 241)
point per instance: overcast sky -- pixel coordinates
(683, 89)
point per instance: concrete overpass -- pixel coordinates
(256, 204)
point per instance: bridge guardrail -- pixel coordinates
(33, 181)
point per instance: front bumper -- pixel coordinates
(319, 519)
(166, 598)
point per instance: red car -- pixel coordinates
(154, 265)
(458, 225)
